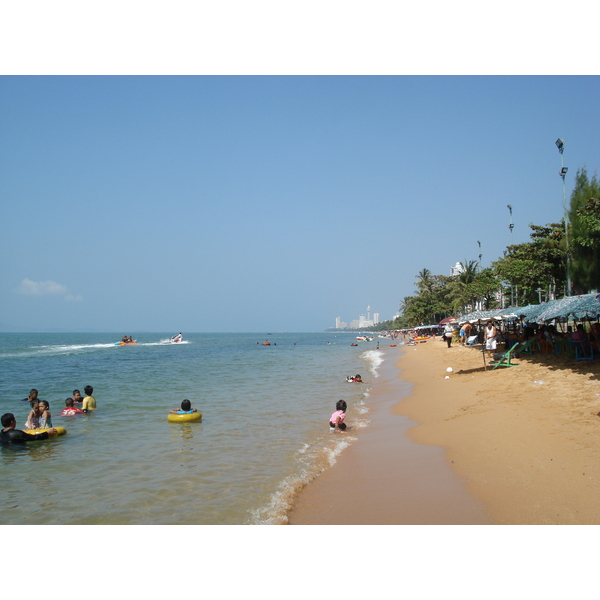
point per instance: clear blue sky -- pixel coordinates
(278, 203)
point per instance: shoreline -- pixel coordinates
(486, 446)
(385, 478)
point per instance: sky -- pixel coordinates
(260, 167)
(261, 203)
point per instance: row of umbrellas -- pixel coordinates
(583, 307)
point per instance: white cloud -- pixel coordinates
(41, 288)
(46, 288)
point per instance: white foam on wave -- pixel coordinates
(373, 359)
(55, 350)
(313, 459)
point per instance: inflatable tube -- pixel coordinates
(59, 431)
(184, 417)
(125, 343)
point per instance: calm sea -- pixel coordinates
(263, 436)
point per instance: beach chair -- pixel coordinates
(563, 346)
(505, 361)
(527, 347)
(583, 350)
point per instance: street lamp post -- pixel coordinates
(560, 144)
(511, 227)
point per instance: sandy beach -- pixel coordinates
(515, 445)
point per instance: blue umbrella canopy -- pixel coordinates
(486, 315)
(586, 306)
(531, 312)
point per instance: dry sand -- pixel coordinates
(484, 446)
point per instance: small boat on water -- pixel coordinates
(364, 338)
(177, 338)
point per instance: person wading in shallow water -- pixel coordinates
(11, 435)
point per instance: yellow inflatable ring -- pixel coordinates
(184, 417)
(59, 431)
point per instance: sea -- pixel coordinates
(263, 436)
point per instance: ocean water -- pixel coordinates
(263, 436)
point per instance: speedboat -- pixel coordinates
(177, 338)
(364, 338)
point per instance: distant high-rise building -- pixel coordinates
(339, 324)
(363, 322)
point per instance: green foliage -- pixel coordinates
(584, 233)
(540, 263)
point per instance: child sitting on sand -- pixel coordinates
(337, 418)
(186, 407)
(70, 410)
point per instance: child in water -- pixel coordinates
(70, 410)
(337, 418)
(46, 418)
(89, 402)
(33, 418)
(186, 407)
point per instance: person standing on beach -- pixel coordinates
(464, 333)
(490, 339)
(448, 333)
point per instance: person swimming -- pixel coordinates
(186, 408)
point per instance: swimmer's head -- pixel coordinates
(33, 394)
(186, 405)
(341, 405)
(7, 419)
(69, 402)
(89, 390)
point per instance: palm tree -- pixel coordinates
(468, 271)
(424, 281)
(461, 294)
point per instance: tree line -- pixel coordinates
(528, 273)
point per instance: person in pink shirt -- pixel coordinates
(70, 410)
(337, 418)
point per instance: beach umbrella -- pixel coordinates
(586, 306)
(480, 315)
(447, 320)
(531, 313)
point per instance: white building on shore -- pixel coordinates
(457, 269)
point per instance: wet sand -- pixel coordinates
(483, 446)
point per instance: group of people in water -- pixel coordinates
(127, 339)
(39, 416)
